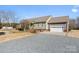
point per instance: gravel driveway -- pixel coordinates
(41, 43)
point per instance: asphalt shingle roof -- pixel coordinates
(39, 19)
(60, 19)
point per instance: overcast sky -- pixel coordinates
(26, 11)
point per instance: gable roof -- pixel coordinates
(60, 19)
(39, 19)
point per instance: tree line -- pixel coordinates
(74, 23)
(7, 18)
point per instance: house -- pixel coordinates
(49, 23)
(7, 28)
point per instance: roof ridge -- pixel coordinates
(60, 16)
(39, 17)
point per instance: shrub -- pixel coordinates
(65, 30)
(20, 29)
(32, 30)
(2, 33)
(0, 25)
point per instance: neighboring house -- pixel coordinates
(7, 28)
(54, 24)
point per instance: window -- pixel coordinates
(42, 24)
(38, 25)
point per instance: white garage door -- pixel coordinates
(56, 29)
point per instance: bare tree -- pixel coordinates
(25, 24)
(77, 23)
(7, 17)
(72, 24)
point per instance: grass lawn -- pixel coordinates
(74, 33)
(12, 34)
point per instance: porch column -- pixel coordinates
(46, 26)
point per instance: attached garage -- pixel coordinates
(58, 24)
(57, 27)
(56, 30)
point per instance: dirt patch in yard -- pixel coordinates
(74, 33)
(13, 35)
